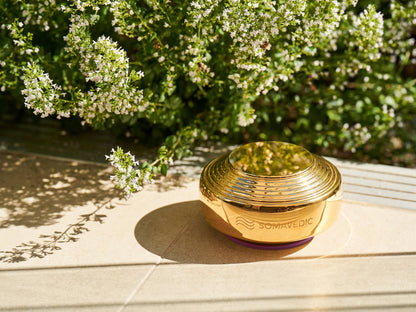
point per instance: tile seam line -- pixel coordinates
(283, 297)
(139, 285)
(380, 196)
(153, 268)
(358, 167)
(341, 165)
(183, 230)
(377, 179)
(379, 188)
(59, 158)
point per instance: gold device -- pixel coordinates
(270, 193)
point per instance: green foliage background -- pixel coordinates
(349, 92)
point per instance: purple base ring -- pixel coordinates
(270, 246)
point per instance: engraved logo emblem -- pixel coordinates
(248, 224)
(251, 224)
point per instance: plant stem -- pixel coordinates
(169, 154)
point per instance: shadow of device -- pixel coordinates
(179, 232)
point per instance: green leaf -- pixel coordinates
(179, 153)
(333, 115)
(389, 100)
(164, 169)
(170, 141)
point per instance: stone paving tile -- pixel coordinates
(375, 282)
(378, 184)
(112, 242)
(373, 169)
(359, 303)
(70, 308)
(103, 288)
(154, 252)
(365, 260)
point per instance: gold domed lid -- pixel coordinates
(270, 175)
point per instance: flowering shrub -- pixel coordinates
(330, 75)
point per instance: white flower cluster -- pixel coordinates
(252, 29)
(246, 115)
(200, 10)
(291, 29)
(40, 93)
(320, 23)
(357, 133)
(229, 53)
(40, 13)
(130, 21)
(399, 32)
(194, 48)
(368, 32)
(107, 66)
(128, 177)
(119, 8)
(22, 42)
(363, 43)
(198, 70)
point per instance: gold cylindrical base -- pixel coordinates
(270, 227)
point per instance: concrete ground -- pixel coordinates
(70, 244)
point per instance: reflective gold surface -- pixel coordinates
(270, 192)
(270, 158)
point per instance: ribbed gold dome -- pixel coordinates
(270, 177)
(270, 193)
